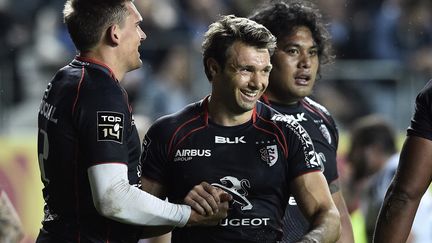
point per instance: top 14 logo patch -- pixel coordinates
(110, 126)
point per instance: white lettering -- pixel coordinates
(47, 110)
(244, 222)
(188, 154)
(111, 118)
(292, 201)
(295, 126)
(219, 139)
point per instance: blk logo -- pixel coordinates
(219, 139)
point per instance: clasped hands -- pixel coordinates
(209, 204)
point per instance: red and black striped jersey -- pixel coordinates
(254, 162)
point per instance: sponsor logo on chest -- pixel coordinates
(238, 188)
(299, 117)
(189, 154)
(228, 140)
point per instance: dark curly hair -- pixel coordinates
(282, 17)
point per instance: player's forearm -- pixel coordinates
(326, 227)
(116, 199)
(347, 235)
(395, 218)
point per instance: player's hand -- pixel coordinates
(205, 199)
(197, 219)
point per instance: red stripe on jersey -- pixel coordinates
(187, 135)
(314, 110)
(78, 89)
(283, 143)
(91, 60)
(179, 128)
(309, 171)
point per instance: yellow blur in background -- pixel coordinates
(20, 178)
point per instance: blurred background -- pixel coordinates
(383, 50)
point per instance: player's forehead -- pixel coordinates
(300, 36)
(243, 54)
(134, 15)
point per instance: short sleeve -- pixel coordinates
(421, 122)
(154, 155)
(302, 157)
(103, 122)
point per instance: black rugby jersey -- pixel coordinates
(84, 120)
(323, 131)
(421, 122)
(254, 162)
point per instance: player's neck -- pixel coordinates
(283, 101)
(108, 58)
(222, 115)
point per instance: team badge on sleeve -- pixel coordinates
(325, 132)
(110, 126)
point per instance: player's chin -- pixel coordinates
(138, 63)
(247, 106)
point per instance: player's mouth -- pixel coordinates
(302, 79)
(250, 95)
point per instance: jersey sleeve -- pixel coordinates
(421, 122)
(302, 157)
(103, 122)
(154, 154)
(328, 160)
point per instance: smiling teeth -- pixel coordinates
(250, 94)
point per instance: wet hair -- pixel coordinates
(282, 18)
(86, 20)
(229, 29)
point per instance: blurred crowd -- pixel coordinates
(383, 54)
(382, 47)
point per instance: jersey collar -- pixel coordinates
(205, 112)
(96, 64)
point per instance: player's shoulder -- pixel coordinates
(307, 101)
(94, 76)
(426, 92)
(169, 124)
(68, 75)
(318, 109)
(284, 122)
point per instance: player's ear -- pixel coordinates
(213, 66)
(113, 34)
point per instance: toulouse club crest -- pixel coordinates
(325, 132)
(269, 154)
